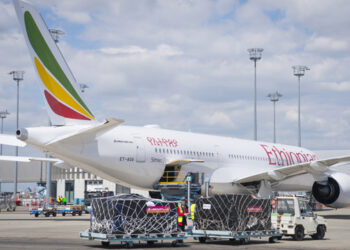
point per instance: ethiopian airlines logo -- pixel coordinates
(283, 157)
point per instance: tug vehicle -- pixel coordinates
(294, 217)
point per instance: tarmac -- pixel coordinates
(19, 230)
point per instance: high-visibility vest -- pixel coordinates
(180, 218)
(193, 210)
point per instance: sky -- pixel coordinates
(184, 65)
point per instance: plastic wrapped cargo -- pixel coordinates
(229, 212)
(133, 214)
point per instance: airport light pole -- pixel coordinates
(82, 87)
(255, 55)
(274, 97)
(299, 71)
(3, 115)
(56, 33)
(17, 76)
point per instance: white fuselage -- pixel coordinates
(137, 156)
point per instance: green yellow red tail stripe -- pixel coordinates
(53, 77)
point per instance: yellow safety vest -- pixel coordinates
(180, 218)
(193, 210)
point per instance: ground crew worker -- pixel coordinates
(59, 200)
(193, 210)
(64, 200)
(182, 211)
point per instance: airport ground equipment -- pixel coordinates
(173, 185)
(7, 202)
(243, 237)
(294, 217)
(105, 239)
(45, 211)
(130, 218)
(230, 216)
(72, 209)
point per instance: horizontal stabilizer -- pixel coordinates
(90, 131)
(27, 159)
(11, 140)
(183, 162)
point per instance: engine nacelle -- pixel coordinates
(335, 192)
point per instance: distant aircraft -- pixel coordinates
(138, 156)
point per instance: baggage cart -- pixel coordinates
(45, 211)
(105, 239)
(70, 211)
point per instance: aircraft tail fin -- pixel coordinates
(59, 87)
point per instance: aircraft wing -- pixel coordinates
(315, 168)
(27, 159)
(182, 162)
(11, 140)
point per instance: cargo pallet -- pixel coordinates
(243, 237)
(129, 240)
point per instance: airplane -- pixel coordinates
(138, 156)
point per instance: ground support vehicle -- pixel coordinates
(294, 217)
(7, 202)
(242, 237)
(70, 211)
(105, 239)
(45, 211)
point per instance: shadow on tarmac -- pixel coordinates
(337, 216)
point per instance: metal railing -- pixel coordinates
(173, 177)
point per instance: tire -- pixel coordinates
(321, 231)
(273, 239)
(47, 215)
(202, 239)
(80, 213)
(150, 243)
(73, 214)
(36, 215)
(63, 214)
(243, 241)
(105, 243)
(54, 214)
(299, 233)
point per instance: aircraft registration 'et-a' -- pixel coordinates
(138, 156)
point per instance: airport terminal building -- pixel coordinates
(71, 183)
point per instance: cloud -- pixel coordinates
(184, 65)
(326, 44)
(334, 86)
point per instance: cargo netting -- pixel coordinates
(133, 214)
(228, 212)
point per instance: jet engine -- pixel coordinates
(334, 192)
